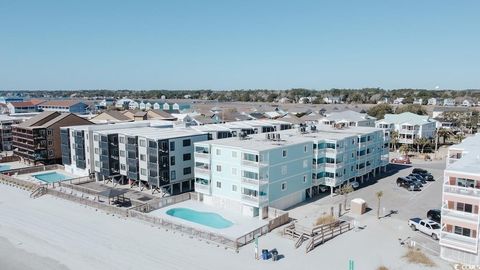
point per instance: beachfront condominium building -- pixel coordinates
(6, 137)
(77, 143)
(459, 239)
(409, 126)
(280, 169)
(157, 158)
(37, 140)
(348, 118)
(67, 106)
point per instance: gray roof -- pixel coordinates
(348, 116)
(407, 117)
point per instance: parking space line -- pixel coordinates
(423, 189)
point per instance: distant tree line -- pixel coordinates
(364, 95)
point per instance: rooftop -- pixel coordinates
(348, 115)
(407, 118)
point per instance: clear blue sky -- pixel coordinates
(202, 44)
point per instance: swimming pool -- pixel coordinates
(5, 168)
(51, 177)
(204, 218)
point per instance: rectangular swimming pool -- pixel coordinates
(5, 168)
(51, 177)
(212, 220)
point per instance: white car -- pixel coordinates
(428, 227)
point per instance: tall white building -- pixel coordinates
(410, 126)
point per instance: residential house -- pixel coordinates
(9, 99)
(418, 101)
(332, 100)
(410, 126)
(398, 101)
(30, 106)
(348, 118)
(449, 102)
(434, 101)
(66, 106)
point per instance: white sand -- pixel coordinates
(58, 233)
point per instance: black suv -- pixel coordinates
(408, 184)
(434, 215)
(419, 170)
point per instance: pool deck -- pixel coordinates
(241, 224)
(15, 165)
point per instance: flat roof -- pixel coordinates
(259, 142)
(154, 133)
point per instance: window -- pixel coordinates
(97, 163)
(304, 179)
(234, 188)
(462, 231)
(305, 148)
(96, 150)
(234, 171)
(95, 138)
(187, 142)
(50, 152)
(143, 171)
(50, 143)
(234, 154)
(219, 168)
(49, 132)
(122, 153)
(284, 153)
(121, 139)
(173, 175)
(187, 170)
(305, 163)
(284, 169)
(143, 157)
(172, 146)
(219, 184)
(172, 161)
(187, 157)
(218, 152)
(142, 143)
(284, 186)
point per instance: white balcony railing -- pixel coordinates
(255, 182)
(201, 155)
(329, 181)
(254, 200)
(202, 188)
(457, 241)
(202, 170)
(459, 214)
(253, 163)
(461, 190)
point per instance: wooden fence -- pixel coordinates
(276, 218)
(9, 159)
(23, 184)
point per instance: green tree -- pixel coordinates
(404, 149)
(378, 111)
(421, 143)
(413, 108)
(459, 137)
(444, 134)
(394, 138)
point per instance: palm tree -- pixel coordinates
(404, 149)
(459, 137)
(394, 137)
(379, 195)
(444, 133)
(421, 143)
(345, 190)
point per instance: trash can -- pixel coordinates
(265, 254)
(274, 255)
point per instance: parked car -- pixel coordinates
(419, 170)
(434, 214)
(408, 184)
(401, 160)
(428, 227)
(418, 177)
(415, 180)
(355, 184)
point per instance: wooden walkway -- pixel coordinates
(316, 235)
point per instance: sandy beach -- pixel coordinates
(50, 233)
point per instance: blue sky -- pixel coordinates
(202, 44)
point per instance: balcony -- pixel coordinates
(205, 172)
(452, 213)
(202, 188)
(255, 182)
(465, 191)
(254, 164)
(457, 241)
(320, 166)
(329, 181)
(201, 155)
(254, 200)
(319, 152)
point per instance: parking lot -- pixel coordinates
(406, 204)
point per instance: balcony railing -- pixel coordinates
(329, 181)
(202, 170)
(255, 182)
(201, 155)
(461, 190)
(253, 163)
(457, 241)
(254, 200)
(446, 212)
(202, 188)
